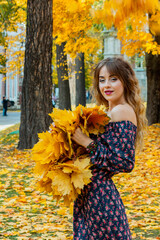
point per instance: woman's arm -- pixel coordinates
(118, 113)
(113, 150)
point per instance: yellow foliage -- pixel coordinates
(94, 119)
(128, 7)
(58, 159)
(154, 24)
(43, 150)
(21, 3)
(3, 171)
(134, 38)
(15, 59)
(131, 20)
(74, 174)
(65, 119)
(72, 24)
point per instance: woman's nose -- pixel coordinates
(107, 82)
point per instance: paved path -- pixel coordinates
(10, 120)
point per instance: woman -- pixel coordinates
(99, 211)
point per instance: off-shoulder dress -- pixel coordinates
(99, 212)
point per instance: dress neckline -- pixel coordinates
(123, 121)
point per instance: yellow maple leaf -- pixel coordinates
(45, 185)
(41, 169)
(92, 119)
(50, 146)
(82, 162)
(58, 180)
(77, 180)
(3, 171)
(80, 179)
(65, 119)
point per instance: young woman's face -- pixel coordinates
(111, 87)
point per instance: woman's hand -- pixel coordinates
(81, 138)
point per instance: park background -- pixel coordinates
(53, 55)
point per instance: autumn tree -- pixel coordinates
(138, 28)
(37, 83)
(75, 29)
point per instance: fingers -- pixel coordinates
(77, 135)
(81, 138)
(78, 130)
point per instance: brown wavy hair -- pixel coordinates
(123, 70)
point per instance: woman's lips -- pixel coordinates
(108, 92)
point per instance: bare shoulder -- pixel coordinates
(123, 113)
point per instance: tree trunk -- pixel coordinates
(37, 83)
(80, 80)
(63, 81)
(153, 86)
(3, 70)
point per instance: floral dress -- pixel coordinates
(99, 212)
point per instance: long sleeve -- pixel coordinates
(114, 149)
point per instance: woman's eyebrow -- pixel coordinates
(112, 75)
(101, 76)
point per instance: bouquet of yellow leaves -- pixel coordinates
(62, 166)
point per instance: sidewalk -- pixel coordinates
(10, 120)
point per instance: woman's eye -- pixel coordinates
(101, 80)
(113, 79)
